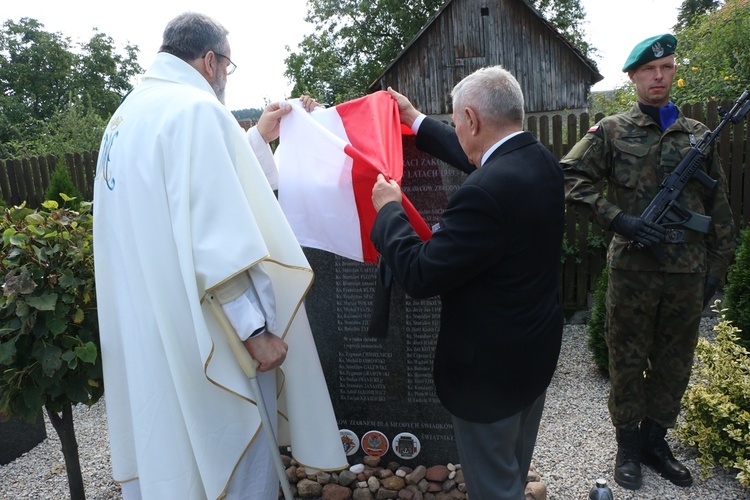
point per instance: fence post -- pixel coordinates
(47, 166)
(15, 174)
(37, 181)
(5, 166)
(89, 171)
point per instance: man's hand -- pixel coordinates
(638, 230)
(267, 349)
(308, 103)
(269, 123)
(709, 289)
(407, 111)
(385, 192)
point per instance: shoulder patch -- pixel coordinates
(593, 129)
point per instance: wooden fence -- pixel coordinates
(585, 243)
(27, 179)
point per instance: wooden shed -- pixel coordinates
(465, 35)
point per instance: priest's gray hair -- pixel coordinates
(494, 93)
(190, 35)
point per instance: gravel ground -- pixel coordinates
(575, 446)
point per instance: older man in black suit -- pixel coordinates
(495, 262)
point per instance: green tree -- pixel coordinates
(73, 129)
(713, 55)
(690, 9)
(61, 185)
(49, 336)
(354, 41)
(102, 76)
(567, 16)
(248, 113)
(36, 66)
(44, 74)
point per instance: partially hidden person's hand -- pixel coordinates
(267, 349)
(308, 103)
(269, 123)
(638, 230)
(406, 109)
(385, 192)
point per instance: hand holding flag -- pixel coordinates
(385, 192)
(329, 161)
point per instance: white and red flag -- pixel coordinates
(328, 162)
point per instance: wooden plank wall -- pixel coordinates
(470, 34)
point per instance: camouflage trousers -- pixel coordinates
(651, 332)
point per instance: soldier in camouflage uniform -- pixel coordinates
(653, 306)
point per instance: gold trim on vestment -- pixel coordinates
(279, 386)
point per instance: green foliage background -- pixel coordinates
(57, 95)
(737, 289)
(714, 55)
(49, 340)
(597, 325)
(717, 404)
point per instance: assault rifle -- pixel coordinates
(664, 209)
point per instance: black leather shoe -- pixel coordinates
(655, 453)
(628, 462)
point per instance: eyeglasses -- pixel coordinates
(231, 67)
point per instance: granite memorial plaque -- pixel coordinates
(381, 387)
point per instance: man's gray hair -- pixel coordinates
(494, 93)
(190, 35)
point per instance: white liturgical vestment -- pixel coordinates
(180, 206)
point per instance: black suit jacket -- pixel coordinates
(495, 262)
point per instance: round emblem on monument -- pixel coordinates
(350, 441)
(374, 443)
(406, 446)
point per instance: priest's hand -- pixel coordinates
(406, 109)
(267, 349)
(269, 123)
(385, 192)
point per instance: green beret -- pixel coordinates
(650, 49)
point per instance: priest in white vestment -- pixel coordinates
(182, 208)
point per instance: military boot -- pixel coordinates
(655, 453)
(628, 461)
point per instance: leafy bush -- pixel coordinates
(737, 290)
(49, 338)
(596, 326)
(717, 403)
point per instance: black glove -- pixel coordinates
(638, 230)
(709, 289)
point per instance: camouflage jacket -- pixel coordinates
(633, 155)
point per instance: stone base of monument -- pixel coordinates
(18, 437)
(372, 480)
